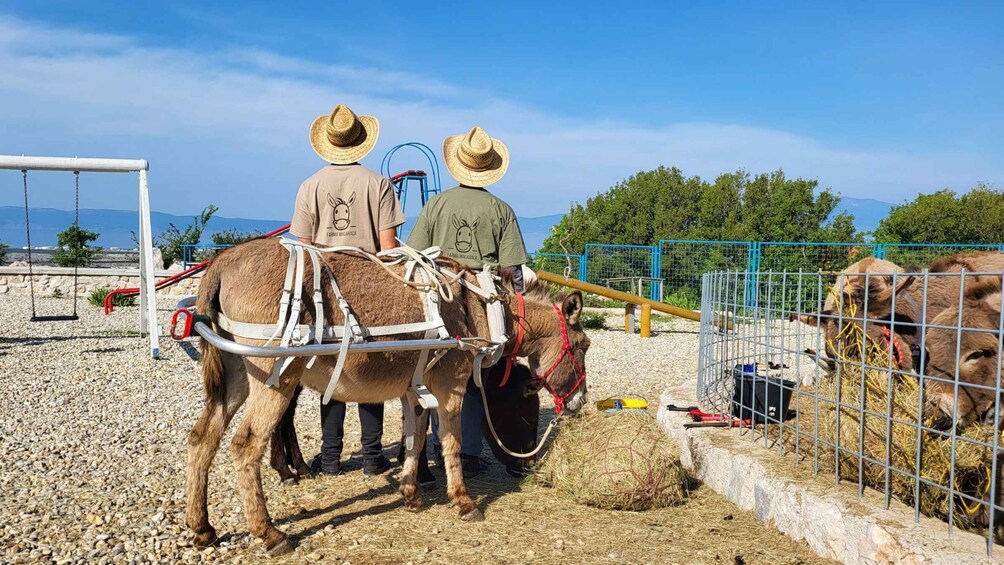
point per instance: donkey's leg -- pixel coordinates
(409, 473)
(449, 433)
(294, 455)
(265, 406)
(278, 458)
(204, 441)
(284, 448)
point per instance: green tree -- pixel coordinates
(664, 204)
(73, 249)
(943, 217)
(3, 253)
(171, 241)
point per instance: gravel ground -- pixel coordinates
(92, 455)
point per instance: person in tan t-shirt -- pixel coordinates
(345, 203)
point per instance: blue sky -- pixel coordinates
(875, 100)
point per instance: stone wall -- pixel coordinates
(14, 280)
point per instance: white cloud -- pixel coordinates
(229, 127)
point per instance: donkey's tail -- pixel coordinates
(212, 360)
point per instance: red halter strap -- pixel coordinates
(511, 359)
(897, 349)
(566, 350)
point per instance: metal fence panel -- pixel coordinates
(894, 392)
(916, 256)
(570, 265)
(608, 261)
(684, 262)
(809, 257)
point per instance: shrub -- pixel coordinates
(3, 253)
(171, 241)
(97, 298)
(234, 236)
(684, 297)
(73, 249)
(593, 321)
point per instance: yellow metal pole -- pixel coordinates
(646, 320)
(618, 295)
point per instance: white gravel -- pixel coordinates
(92, 438)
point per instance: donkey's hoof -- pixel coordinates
(415, 504)
(206, 538)
(474, 515)
(281, 548)
(290, 480)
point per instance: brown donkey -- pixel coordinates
(245, 284)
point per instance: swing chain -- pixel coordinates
(27, 229)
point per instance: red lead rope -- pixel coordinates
(511, 359)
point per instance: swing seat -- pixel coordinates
(58, 318)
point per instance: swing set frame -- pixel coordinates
(147, 294)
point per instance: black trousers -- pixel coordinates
(333, 431)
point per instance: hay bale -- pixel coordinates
(865, 432)
(619, 461)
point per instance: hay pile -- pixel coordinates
(880, 391)
(619, 461)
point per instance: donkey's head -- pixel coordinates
(464, 240)
(555, 345)
(341, 211)
(967, 345)
(866, 290)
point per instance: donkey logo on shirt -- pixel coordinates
(342, 211)
(464, 239)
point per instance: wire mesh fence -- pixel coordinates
(624, 267)
(912, 256)
(889, 381)
(684, 262)
(808, 257)
(570, 265)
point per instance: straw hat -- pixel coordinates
(342, 137)
(475, 159)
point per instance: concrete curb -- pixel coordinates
(832, 519)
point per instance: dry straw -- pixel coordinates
(618, 461)
(888, 406)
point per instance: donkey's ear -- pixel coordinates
(352, 198)
(456, 222)
(474, 224)
(571, 307)
(331, 201)
(903, 283)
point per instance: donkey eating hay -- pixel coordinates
(245, 283)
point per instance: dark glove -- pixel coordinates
(517, 277)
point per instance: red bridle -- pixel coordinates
(566, 351)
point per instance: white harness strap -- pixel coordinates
(281, 364)
(318, 306)
(496, 315)
(351, 328)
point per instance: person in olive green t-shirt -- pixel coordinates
(476, 228)
(471, 225)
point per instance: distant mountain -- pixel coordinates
(867, 212)
(116, 226)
